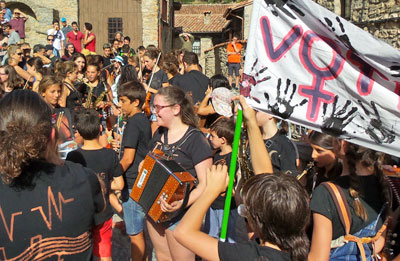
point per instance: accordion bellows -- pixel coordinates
(158, 178)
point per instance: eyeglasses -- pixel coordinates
(158, 108)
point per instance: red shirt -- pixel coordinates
(76, 39)
(19, 26)
(92, 45)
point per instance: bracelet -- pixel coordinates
(109, 139)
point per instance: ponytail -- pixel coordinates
(355, 181)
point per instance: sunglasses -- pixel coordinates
(51, 40)
(19, 53)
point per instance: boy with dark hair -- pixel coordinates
(59, 37)
(222, 133)
(127, 41)
(136, 136)
(106, 165)
(75, 36)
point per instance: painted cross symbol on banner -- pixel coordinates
(315, 92)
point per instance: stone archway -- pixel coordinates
(39, 19)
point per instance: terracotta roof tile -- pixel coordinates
(191, 18)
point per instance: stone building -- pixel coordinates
(381, 18)
(41, 14)
(205, 22)
(146, 22)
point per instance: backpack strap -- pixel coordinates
(343, 210)
(341, 204)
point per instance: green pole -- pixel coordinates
(232, 170)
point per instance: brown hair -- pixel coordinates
(65, 68)
(278, 209)
(368, 158)
(14, 80)
(175, 95)
(25, 130)
(225, 128)
(47, 81)
(133, 90)
(171, 64)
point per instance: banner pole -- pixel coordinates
(232, 171)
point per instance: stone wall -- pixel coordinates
(41, 14)
(381, 18)
(216, 60)
(247, 19)
(150, 22)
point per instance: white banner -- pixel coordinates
(309, 66)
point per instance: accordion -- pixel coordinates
(161, 177)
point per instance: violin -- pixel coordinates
(147, 108)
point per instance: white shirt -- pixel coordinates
(58, 37)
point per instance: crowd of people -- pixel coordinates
(76, 127)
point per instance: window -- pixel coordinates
(197, 46)
(114, 25)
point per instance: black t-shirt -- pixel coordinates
(49, 212)
(136, 135)
(322, 203)
(159, 78)
(97, 91)
(105, 164)
(74, 98)
(250, 251)
(187, 154)
(282, 153)
(194, 82)
(219, 202)
(173, 80)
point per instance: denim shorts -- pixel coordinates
(133, 214)
(213, 224)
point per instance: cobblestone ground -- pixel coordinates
(121, 244)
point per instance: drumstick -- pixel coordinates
(60, 116)
(27, 81)
(140, 70)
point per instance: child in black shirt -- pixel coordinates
(106, 165)
(222, 132)
(134, 147)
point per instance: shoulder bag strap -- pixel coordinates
(341, 204)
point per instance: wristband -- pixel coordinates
(109, 139)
